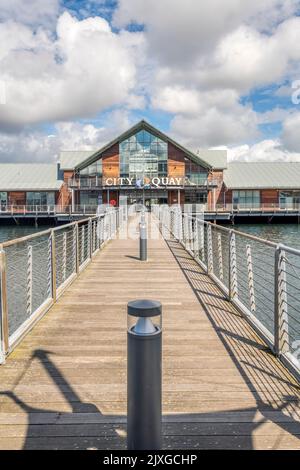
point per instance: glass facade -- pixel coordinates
(289, 200)
(95, 169)
(247, 199)
(41, 198)
(3, 200)
(195, 173)
(143, 155)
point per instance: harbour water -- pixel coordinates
(288, 234)
(10, 232)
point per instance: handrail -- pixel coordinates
(259, 277)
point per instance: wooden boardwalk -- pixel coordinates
(64, 387)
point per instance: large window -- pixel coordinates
(196, 174)
(3, 200)
(95, 169)
(248, 199)
(143, 155)
(90, 198)
(289, 199)
(41, 198)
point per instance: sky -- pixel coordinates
(75, 74)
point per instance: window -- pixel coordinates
(42, 198)
(95, 169)
(246, 199)
(3, 200)
(143, 155)
(195, 173)
(90, 198)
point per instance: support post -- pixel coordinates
(281, 326)
(77, 263)
(220, 257)
(53, 262)
(144, 375)
(82, 242)
(250, 279)
(64, 260)
(29, 281)
(210, 264)
(3, 308)
(90, 238)
(143, 240)
(233, 286)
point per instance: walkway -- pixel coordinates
(64, 387)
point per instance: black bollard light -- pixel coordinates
(144, 375)
(143, 238)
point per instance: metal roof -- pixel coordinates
(69, 159)
(216, 158)
(141, 125)
(29, 176)
(262, 175)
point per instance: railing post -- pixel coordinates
(53, 265)
(210, 265)
(82, 242)
(250, 279)
(64, 260)
(90, 238)
(220, 257)
(233, 287)
(98, 233)
(49, 277)
(29, 281)
(4, 328)
(281, 328)
(77, 247)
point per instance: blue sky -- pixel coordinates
(76, 73)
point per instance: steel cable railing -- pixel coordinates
(36, 269)
(261, 278)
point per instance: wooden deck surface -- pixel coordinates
(64, 387)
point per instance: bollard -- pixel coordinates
(144, 382)
(143, 238)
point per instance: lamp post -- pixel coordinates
(144, 375)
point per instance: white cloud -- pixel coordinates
(86, 70)
(264, 151)
(179, 31)
(215, 127)
(290, 132)
(35, 146)
(31, 12)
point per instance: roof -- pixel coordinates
(29, 176)
(262, 175)
(70, 158)
(216, 158)
(146, 126)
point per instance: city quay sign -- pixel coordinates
(145, 183)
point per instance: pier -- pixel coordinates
(230, 374)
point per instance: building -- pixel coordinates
(143, 165)
(31, 185)
(261, 185)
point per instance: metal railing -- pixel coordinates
(15, 210)
(255, 207)
(36, 269)
(261, 278)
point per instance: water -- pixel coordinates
(10, 232)
(288, 234)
